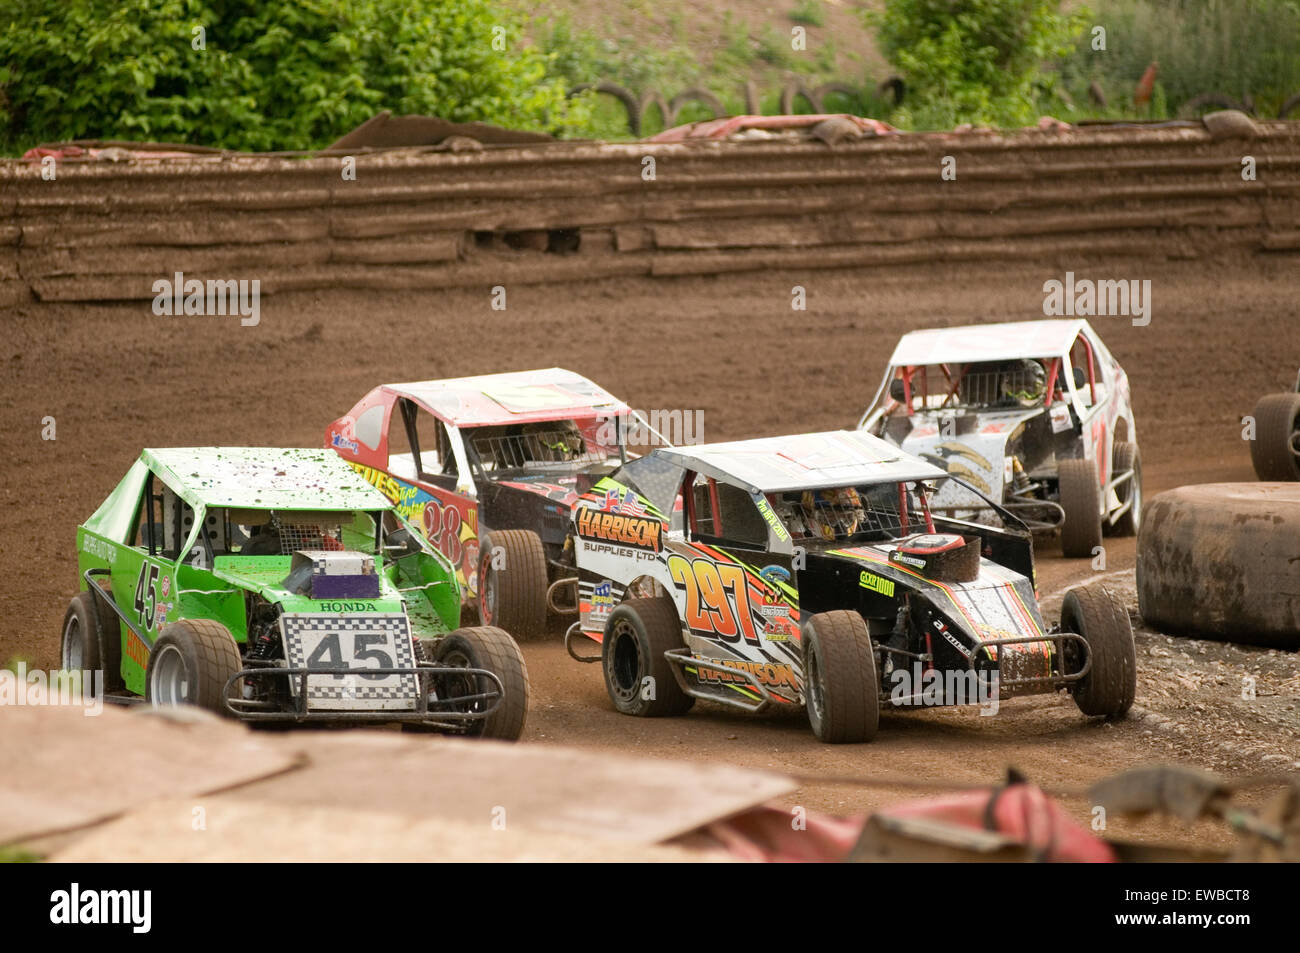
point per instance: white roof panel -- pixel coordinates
(804, 461)
(1049, 337)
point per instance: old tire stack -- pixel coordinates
(1222, 561)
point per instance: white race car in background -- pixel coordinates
(1035, 414)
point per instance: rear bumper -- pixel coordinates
(453, 712)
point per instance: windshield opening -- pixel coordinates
(547, 445)
(882, 511)
(943, 388)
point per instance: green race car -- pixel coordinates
(277, 585)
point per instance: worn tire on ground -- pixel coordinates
(1222, 561)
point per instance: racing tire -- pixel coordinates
(513, 597)
(840, 681)
(1081, 501)
(80, 648)
(637, 634)
(1218, 561)
(190, 664)
(491, 648)
(1126, 457)
(1110, 685)
(1275, 451)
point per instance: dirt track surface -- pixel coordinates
(117, 378)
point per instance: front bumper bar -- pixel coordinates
(436, 712)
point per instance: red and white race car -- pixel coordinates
(1037, 415)
(489, 467)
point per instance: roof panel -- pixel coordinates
(513, 397)
(804, 461)
(987, 342)
(262, 478)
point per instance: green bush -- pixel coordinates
(273, 75)
(977, 61)
(1235, 47)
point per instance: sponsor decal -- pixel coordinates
(136, 650)
(777, 625)
(629, 530)
(774, 674)
(348, 607)
(340, 442)
(602, 598)
(869, 580)
(770, 517)
(897, 557)
(99, 549)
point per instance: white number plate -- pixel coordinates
(352, 643)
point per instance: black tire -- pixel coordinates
(637, 634)
(1275, 451)
(1080, 499)
(623, 95)
(190, 664)
(1126, 457)
(80, 646)
(840, 681)
(514, 596)
(1108, 688)
(491, 648)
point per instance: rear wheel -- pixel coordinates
(1110, 685)
(840, 681)
(79, 649)
(1275, 451)
(490, 648)
(190, 664)
(639, 680)
(1126, 457)
(1081, 501)
(512, 583)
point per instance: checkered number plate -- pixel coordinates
(352, 642)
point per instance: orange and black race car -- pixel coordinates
(819, 571)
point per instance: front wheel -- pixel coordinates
(490, 648)
(1110, 685)
(839, 675)
(190, 664)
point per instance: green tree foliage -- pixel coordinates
(977, 61)
(272, 74)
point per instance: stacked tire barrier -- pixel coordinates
(424, 218)
(1222, 561)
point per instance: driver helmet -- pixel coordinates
(832, 513)
(1025, 382)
